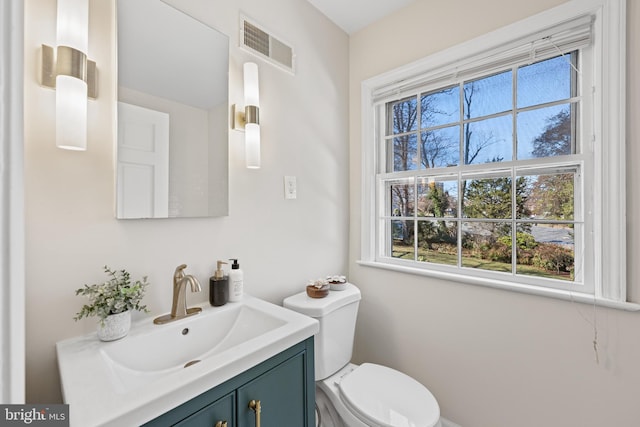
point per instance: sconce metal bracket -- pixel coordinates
(252, 114)
(237, 118)
(74, 65)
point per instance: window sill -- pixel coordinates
(515, 287)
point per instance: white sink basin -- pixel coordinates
(152, 352)
(157, 367)
(174, 344)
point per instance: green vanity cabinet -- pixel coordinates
(281, 395)
(283, 385)
(214, 415)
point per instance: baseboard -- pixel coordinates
(446, 423)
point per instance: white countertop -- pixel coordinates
(97, 397)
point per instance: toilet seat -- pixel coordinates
(383, 397)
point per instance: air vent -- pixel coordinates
(258, 41)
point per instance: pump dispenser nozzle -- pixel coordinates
(219, 274)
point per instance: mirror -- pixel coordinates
(172, 156)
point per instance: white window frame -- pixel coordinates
(609, 139)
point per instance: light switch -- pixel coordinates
(290, 187)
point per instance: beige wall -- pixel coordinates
(70, 225)
(493, 358)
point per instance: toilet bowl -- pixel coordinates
(372, 395)
(368, 395)
(326, 414)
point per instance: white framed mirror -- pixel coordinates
(173, 74)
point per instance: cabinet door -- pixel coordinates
(281, 392)
(214, 415)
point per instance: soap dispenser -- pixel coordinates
(236, 285)
(218, 287)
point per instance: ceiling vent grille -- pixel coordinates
(258, 41)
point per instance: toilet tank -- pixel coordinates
(336, 314)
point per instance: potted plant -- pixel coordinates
(112, 302)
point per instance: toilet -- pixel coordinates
(366, 395)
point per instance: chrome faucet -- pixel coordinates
(179, 308)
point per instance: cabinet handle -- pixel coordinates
(221, 424)
(255, 405)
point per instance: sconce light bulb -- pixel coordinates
(71, 88)
(71, 113)
(252, 145)
(251, 85)
(252, 120)
(73, 24)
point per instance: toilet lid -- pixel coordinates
(381, 396)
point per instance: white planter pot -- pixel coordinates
(115, 326)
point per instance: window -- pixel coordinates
(485, 174)
(486, 163)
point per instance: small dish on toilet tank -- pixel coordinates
(337, 283)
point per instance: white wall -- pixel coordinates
(493, 358)
(70, 225)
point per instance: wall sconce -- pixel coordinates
(68, 71)
(249, 120)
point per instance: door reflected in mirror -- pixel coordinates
(172, 154)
